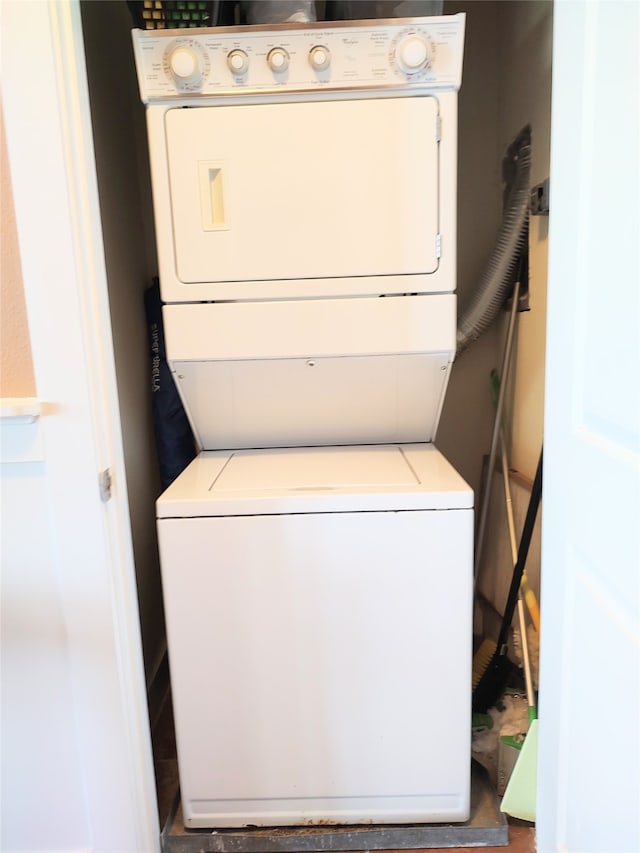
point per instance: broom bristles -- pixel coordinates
(481, 661)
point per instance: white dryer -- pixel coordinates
(317, 555)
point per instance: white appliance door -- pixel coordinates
(321, 666)
(308, 191)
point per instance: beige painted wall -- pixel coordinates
(506, 84)
(464, 434)
(525, 98)
(16, 367)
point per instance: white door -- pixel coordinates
(589, 760)
(77, 771)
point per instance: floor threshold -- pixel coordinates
(486, 827)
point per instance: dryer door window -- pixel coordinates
(300, 191)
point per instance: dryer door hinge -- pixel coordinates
(438, 246)
(438, 128)
(104, 485)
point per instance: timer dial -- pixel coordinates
(415, 52)
(186, 64)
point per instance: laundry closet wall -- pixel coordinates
(464, 433)
(525, 98)
(506, 85)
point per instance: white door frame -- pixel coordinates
(50, 147)
(589, 756)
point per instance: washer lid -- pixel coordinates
(318, 479)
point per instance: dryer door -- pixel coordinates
(303, 199)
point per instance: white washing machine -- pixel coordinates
(317, 555)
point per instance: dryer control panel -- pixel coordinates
(281, 60)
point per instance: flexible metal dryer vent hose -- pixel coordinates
(498, 278)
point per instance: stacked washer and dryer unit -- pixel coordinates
(317, 555)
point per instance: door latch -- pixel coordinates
(104, 485)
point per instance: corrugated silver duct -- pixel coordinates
(497, 279)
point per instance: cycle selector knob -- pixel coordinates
(238, 61)
(278, 59)
(185, 65)
(320, 57)
(415, 53)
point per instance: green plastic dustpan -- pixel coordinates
(520, 795)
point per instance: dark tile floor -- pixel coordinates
(521, 834)
(165, 761)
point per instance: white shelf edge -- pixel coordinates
(20, 410)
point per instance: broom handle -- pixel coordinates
(523, 550)
(506, 363)
(526, 661)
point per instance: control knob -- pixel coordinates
(320, 57)
(278, 59)
(185, 65)
(415, 53)
(238, 61)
